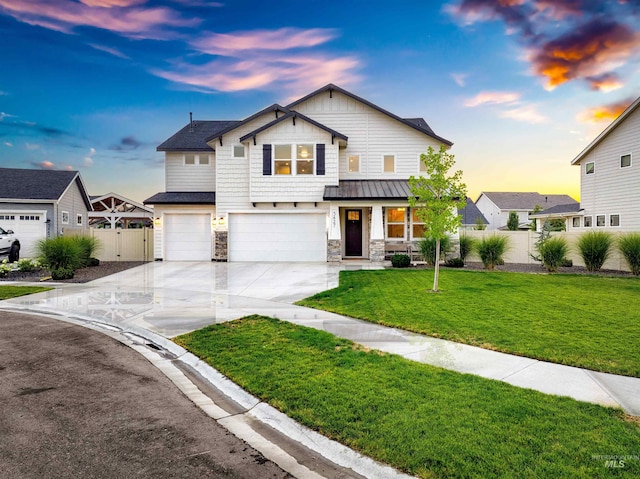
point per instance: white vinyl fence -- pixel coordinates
(121, 244)
(522, 245)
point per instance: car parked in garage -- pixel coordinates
(9, 244)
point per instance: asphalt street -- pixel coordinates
(79, 404)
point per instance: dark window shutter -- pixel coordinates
(266, 159)
(320, 159)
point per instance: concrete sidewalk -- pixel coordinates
(168, 299)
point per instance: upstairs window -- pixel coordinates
(590, 168)
(600, 220)
(614, 220)
(193, 159)
(238, 151)
(354, 163)
(625, 161)
(396, 218)
(79, 220)
(389, 163)
(576, 222)
(65, 217)
(422, 168)
(588, 221)
(292, 159)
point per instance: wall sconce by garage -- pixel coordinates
(221, 221)
(214, 221)
(157, 222)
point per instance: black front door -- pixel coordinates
(353, 233)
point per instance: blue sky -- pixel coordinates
(519, 86)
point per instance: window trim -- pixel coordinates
(573, 222)
(611, 217)
(196, 159)
(62, 220)
(387, 224)
(584, 221)
(604, 221)
(630, 161)
(79, 219)
(294, 159)
(349, 163)
(593, 169)
(395, 157)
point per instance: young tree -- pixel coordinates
(513, 222)
(437, 197)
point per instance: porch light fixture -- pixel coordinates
(221, 221)
(157, 221)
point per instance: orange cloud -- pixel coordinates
(587, 52)
(605, 83)
(607, 113)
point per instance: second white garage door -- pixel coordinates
(187, 237)
(277, 237)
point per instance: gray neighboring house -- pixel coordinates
(495, 206)
(39, 204)
(471, 216)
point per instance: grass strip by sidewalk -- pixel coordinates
(579, 320)
(423, 420)
(7, 292)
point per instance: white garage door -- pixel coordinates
(29, 228)
(277, 237)
(187, 237)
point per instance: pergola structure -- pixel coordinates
(115, 211)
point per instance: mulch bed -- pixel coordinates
(84, 275)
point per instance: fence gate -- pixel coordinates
(124, 244)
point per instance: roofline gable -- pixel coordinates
(331, 88)
(293, 115)
(272, 108)
(83, 191)
(612, 126)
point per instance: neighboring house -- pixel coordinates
(324, 178)
(567, 213)
(496, 206)
(39, 204)
(471, 216)
(116, 211)
(610, 176)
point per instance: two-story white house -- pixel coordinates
(324, 178)
(610, 176)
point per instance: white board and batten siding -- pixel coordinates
(282, 237)
(612, 189)
(181, 177)
(371, 134)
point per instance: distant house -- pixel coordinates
(610, 176)
(496, 206)
(565, 213)
(116, 211)
(39, 204)
(471, 216)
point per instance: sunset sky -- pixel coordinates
(519, 86)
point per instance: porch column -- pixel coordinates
(334, 240)
(376, 238)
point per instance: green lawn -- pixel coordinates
(420, 419)
(580, 320)
(7, 292)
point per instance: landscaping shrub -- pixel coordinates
(454, 263)
(400, 260)
(567, 263)
(629, 246)
(88, 246)
(62, 252)
(467, 245)
(62, 273)
(491, 249)
(595, 248)
(5, 269)
(553, 252)
(427, 248)
(94, 262)
(28, 265)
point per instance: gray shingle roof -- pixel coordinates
(526, 200)
(559, 209)
(368, 190)
(470, 214)
(195, 138)
(182, 198)
(25, 184)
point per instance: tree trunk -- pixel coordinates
(437, 267)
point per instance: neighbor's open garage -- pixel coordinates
(187, 237)
(277, 237)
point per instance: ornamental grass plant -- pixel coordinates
(553, 252)
(491, 249)
(629, 247)
(594, 248)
